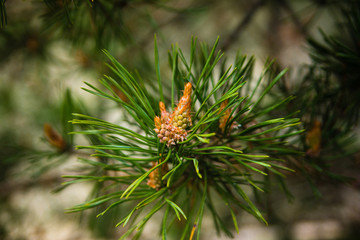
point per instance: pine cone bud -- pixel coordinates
(226, 117)
(171, 128)
(156, 175)
(54, 138)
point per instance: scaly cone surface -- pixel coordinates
(171, 127)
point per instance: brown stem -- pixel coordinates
(294, 17)
(241, 25)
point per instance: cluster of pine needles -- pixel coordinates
(230, 144)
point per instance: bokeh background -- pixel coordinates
(48, 48)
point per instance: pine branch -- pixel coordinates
(3, 15)
(189, 145)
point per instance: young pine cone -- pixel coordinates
(171, 127)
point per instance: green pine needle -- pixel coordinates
(151, 174)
